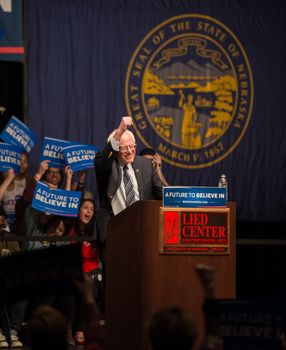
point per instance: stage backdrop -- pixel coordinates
(202, 79)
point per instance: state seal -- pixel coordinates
(189, 89)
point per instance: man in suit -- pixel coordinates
(122, 177)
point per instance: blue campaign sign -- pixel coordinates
(80, 157)
(251, 324)
(10, 157)
(18, 134)
(57, 202)
(52, 150)
(194, 197)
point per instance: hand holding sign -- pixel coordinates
(79, 183)
(43, 167)
(69, 173)
(11, 175)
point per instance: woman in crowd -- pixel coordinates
(84, 226)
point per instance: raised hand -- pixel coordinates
(43, 167)
(125, 123)
(156, 161)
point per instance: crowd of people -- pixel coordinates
(59, 321)
(16, 195)
(116, 165)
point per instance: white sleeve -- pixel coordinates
(114, 144)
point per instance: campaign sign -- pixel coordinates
(57, 202)
(80, 157)
(52, 150)
(194, 197)
(40, 272)
(251, 324)
(10, 157)
(18, 134)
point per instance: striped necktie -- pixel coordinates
(129, 190)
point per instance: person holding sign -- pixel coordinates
(83, 226)
(12, 188)
(53, 177)
(34, 220)
(122, 177)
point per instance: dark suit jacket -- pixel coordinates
(108, 178)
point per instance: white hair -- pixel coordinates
(125, 132)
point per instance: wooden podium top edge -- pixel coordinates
(208, 209)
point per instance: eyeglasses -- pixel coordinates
(124, 149)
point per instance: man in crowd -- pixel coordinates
(156, 161)
(122, 177)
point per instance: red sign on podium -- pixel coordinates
(194, 231)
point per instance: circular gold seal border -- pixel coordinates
(251, 89)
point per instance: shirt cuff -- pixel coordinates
(114, 144)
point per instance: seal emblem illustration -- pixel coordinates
(189, 89)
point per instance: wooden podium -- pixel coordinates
(139, 280)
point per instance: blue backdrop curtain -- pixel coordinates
(78, 56)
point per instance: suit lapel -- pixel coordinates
(138, 175)
(115, 179)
